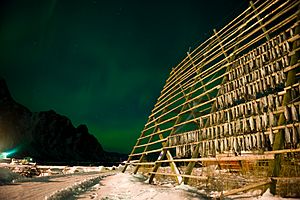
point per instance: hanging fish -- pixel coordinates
(265, 102)
(239, 140)
(236, 110)
(291, 32)
(264, 120)
(271, 136)
(295, 115)
(258, 140)
(277, 79)
(221, 145)
(210, 119)
(295, 136)
(287, 135)
(177, 151)
(201, 122)
(286, 60)
(244, 124)
(229, 128)
(238, 125)
(271, 119)
(235, 144)
(253, 136)
(258, 123)
(228, 115)
(214, 117)
(277, 103)
(274, 53)
(216, 145)
(287, 114)
(251, 121)
(272, 83)
(280, 99)
(241, 109)
(287, 46)
(263, 139)
(225, 144)
(277, 66)
(250, 142)
(247, 147)
(270, 101)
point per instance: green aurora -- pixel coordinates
(101, 63)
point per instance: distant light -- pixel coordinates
(4, 155)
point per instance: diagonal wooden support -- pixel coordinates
(221, 45)
(279, 137)
(164, 151)
(191, 164)
(172, 163)
(200, 79)
(260, 22)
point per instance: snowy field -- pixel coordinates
(101, 183)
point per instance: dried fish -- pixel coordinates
(225, 144)
(230, 128)
(238, 125)
(277, 66)
(263, 139)
(270, 101)
(273, 53)
(287, 114)
(287, 135)
(250, 141)
(258, 123)
(222, 145)
(265, 101)
(278, 104)
(286, 61)
(277, 51)
(295, 136)
(201, 122)
(235, 144)
(258, 140)
(251, 121)
(271, 136)
(272, 83)
(264, 120)
(295, 115)
(287, 46)
(253, 136)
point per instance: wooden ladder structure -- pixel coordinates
(236, 94)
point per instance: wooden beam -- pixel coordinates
(248, 187)
(260, 22)
(172, 163)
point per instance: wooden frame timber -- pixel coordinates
(234, 97)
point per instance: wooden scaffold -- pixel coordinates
(236, 97)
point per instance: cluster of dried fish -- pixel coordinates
(184, 138)
(247, 107)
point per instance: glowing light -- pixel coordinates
(4, 155)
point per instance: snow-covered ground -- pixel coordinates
(103, 184)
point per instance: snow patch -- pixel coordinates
(7, 176)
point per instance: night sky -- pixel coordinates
(101, 63)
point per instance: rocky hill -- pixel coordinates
(46, 136)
